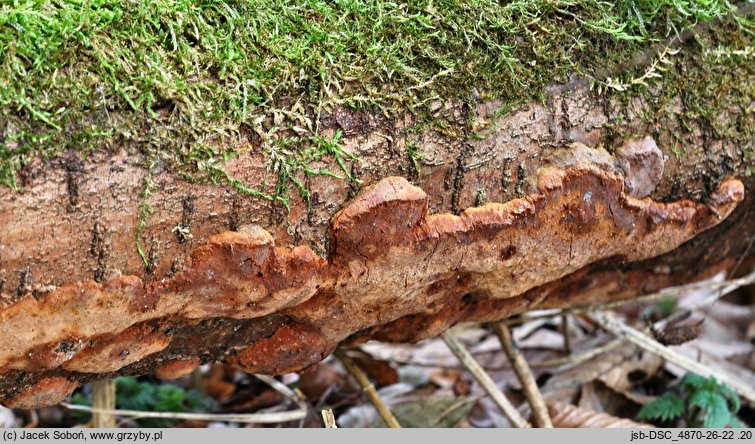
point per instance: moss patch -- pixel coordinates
(179, 80)
(705, 91)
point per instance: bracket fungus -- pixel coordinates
(394, 272)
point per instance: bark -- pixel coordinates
(533, 215)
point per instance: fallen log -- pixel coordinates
(395, 273)
(118, 264)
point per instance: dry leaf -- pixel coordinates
(542, 338)
(678, 334)
(218, 389)
(618, 369)
(378, 370)
(462, 387)
(435, 352)
(598, 397)
(436, 411)
(738, 316)
(444, 378)
(712, 362)
(314, 383)
(631, 368)
(569, 416)
(365, 415)
(722, 350)
(250, 400)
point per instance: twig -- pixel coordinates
(700, 304)
(283, 389)
(368, 389)
(453, 407)
(103, 398)
(325, 395)
(295, 395)
(529, 385)
(33, 421)
(197, 383)
(726, 287)
(256, 418)
(643, 341)
(579, 358)
(533, 315)
(329, 419)
(565, 332)
(485, 381)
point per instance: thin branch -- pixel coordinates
(329, 419)
(705, 302)
(283, 389)
(295, 395)
(103, 397)
(529, 385)
(580, 357)
(726, 287)
(33, 421)
(256, 418)
(453, 407)
(565, 332)
(643, 341)
(250, 418)
(367, 388)
(487, 383)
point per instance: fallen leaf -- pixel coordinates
(218, 389)
(436, 411)
(598, 397)
(618, 369)
(569, 416)
(445, 378)
(314, 383)
(543, 338)
(365, 415)
(380, 371)
(250, 400)
(677, 334)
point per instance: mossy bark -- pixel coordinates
(81, 219)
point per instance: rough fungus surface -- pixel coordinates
(394, 273)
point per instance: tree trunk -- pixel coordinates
(591, 194)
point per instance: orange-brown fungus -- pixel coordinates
(177, 369)
(394, 273)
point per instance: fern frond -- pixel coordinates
(714, 405)
(666, 407)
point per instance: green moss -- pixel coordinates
(178, 79)
(706, 90)
(415, 156)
